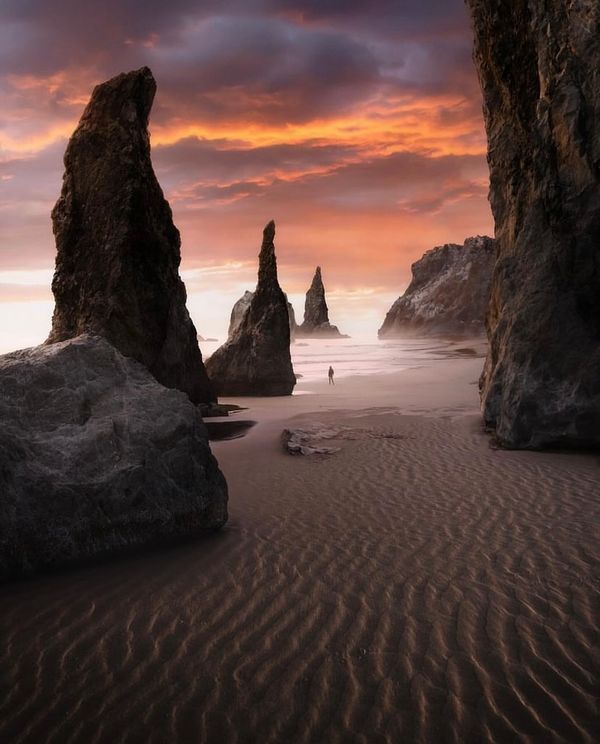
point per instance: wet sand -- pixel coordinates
(419, 585)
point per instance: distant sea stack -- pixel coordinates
(97, 458)
(449, 292)
(118, 251)
(538, 64)
(316, 313)
(256, 359)
(241, 307)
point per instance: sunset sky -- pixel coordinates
(355, 125)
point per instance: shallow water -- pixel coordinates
(349, 356)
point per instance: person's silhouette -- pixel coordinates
(330, 374)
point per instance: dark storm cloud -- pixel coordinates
(263, 70)
(41, 37)
(266, 60)
(399, 19)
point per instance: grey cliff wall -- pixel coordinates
(449, 292)
(539, 66)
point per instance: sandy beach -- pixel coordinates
(418, 585)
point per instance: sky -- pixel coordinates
(355, 125)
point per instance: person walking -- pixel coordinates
(330, 374)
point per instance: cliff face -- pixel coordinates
(316, 313)
(539, 67)
(256, 359)
(241, 307)
(97, 457)
(118, 251)
(449, 292)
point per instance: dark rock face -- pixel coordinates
(241, 307)
(256, 359)
(118, 251)
(538, 63)
(97, 457)
(449, 292)
(237, 313)
(316, 313)
(292, 317)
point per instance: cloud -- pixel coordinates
(356, 125)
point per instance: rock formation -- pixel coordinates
(316, 313)
(449, 292)
(538, 64)
(241, 306)
(256, 359)
(292, 317)
(97, 457)
(118, 251)
(238, 312)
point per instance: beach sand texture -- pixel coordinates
(416, 586)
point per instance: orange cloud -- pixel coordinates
(411, 124)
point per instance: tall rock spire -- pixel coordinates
(256, 359)
(316, 313)
(118, 251)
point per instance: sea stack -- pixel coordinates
(538, 64)
(118, 251)
(316, 313)
(240, 308)
(256, 359)
(449, 292)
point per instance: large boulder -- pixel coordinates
(241, 307)
(539, 67)
(97, 457)
(118, 251)
(316, 313)
(449, 292)
(256, 358)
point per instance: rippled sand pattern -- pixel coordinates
(382, 594)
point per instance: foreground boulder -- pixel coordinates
(240, 308)
(538, 64)
(118, 251)
(449, 292)
(316, 313)
(96, 457)
(256, 359)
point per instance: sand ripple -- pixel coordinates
(422, 588)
